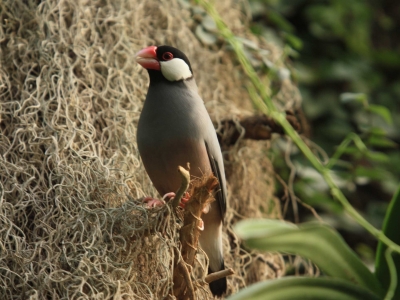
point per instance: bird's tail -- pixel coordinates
(218, 287)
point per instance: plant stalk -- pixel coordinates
(265, 104)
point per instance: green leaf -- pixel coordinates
(382, 111)
(319, 243)
(280, 21)
(205, 37)
(353, 97)
(304, 288)
(377, 131)
(391, 230)
(294, 41)
(381, 141)
(377, 156)
(371, 173)
(352, 150)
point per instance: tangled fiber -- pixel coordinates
(70, 98)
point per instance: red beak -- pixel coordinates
(147, 58)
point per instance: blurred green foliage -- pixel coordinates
(316, 242)
(387, 263)
(346, 57)
(344, 275)
(353, 162)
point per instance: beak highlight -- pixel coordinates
(147, 58)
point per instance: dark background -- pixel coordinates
(346, 60)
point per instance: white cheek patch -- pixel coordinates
(175, 69)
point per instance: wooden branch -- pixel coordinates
(201, 192)
(201, 197)
(218, 275)
(183, 270)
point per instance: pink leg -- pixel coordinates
(184, 200)
(169, 195)
(152, 202)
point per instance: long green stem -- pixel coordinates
(351, 137)
(393, 274)
(267, 107)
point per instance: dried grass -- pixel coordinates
(70, 98)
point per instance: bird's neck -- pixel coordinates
(156, 78)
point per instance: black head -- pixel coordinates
(163, 54)
(165, 63)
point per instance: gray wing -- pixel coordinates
(217, 168)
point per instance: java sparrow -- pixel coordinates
(174, 129)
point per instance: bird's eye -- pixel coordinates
(167, 56)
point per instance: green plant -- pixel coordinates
(388, 267)
(345, 275)
(347, 266)
(300, 288)
(346, 55)
(264, 103)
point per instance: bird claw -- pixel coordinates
(184, 200)
(153, 203)
(201, 225)
(169, 195)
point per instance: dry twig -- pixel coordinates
(218, 275)
(256, 127)
(201, 196)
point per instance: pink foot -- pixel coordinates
(184, 200)
(152, 203)
(169, 195)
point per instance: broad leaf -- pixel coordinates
(381, 141)
(319, 243)
(304, 288)
(391, 230)
(382, 111)
(353, 97)
(378, 156)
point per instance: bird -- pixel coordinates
(175, 129)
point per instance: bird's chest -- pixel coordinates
(171, 133)
(161, 158)
(169, 120)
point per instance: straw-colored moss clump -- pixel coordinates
(70, 98)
